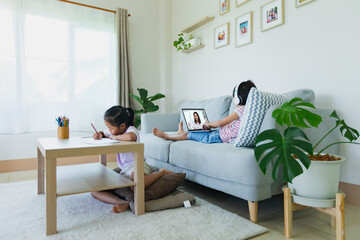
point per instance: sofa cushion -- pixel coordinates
(155, 147)
(218, 160)
(164, 185)
(307, 95)
(172, 200)
(257, 104)
(216, 108)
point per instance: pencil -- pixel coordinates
(94, 128)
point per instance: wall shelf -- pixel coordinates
(198, 24)
(193, 49)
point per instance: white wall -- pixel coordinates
(317, 47)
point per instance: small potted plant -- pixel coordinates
(181, 44)
(310, 174)
(146, 103)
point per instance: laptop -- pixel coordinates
(195, 118)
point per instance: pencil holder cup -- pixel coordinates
(63, 132)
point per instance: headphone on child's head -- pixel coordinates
(237, 99)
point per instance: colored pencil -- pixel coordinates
(94, 128)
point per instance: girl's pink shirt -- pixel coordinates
(125, 159)
(230, 131)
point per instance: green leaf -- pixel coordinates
(292, 113)
(143, 93)
(150, 107)
(334, 115)
(138, 111)
(137, 121)
(137, 98)
(271, 146)
(350, 133)
(156, 97)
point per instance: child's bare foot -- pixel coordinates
(180, 129)
(159, 133)
(165, 171)
(121, 207)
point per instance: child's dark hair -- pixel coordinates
(244, 89)
(117, 115)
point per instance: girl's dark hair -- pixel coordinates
(244, 89)
(199, 120)
(118, 115)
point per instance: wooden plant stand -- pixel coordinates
(337, 214)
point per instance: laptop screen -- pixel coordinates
(194, 118)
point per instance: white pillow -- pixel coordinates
(256, 107)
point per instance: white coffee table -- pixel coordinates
(81, 178)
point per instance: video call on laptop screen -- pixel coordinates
(194, 118)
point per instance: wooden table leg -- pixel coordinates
(340, 217)
(40, 171)
(288, 213)
(333, 222)
(140, 186)
(50, 196)
(102, 159)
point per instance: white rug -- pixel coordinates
(22, 216)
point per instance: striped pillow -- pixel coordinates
(256, 107)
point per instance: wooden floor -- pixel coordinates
(307, 224)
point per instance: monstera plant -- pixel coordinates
(146, 103)
(281, 149)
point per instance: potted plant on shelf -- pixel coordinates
(181, 44)
(310, 174)
(146, 103)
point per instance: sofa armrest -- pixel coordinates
(314, 134)
(167, 122)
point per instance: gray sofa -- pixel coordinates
(219, 166)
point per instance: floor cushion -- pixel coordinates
(172, 200)
(160, 195)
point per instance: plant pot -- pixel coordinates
(194, 42)
(320, 181)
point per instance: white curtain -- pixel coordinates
(55, 59)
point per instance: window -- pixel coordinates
(55, 59)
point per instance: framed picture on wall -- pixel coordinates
(221, 35)
(224, 6)
(299, 3)
(243, 29)
(240, 2)
(272, 15)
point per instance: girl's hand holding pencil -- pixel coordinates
(97, 135)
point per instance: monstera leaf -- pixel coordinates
(350, 133)
(293, 114)
(271, 146)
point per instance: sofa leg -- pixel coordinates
(253, 211)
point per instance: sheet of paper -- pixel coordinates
(103, 141)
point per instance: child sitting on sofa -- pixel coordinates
(229, 126)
